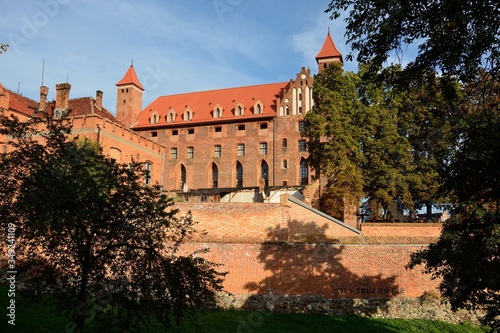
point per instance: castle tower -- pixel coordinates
(129, 98)
(328, 54)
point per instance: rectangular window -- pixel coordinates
(175, 132)
(241, 127)
(263, 148)
(173, 153)
(147, 173)
(241, 149)
(154, 134)
(263, 125)
(218, 129)
(191, 131)
(302, 145)
(302, 126)
(285, 164)
(217, 151)
(190, 152)
(284, 143)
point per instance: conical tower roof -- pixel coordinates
(329, 50)
(130, 78)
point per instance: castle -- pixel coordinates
(242, 147)
(233, 144)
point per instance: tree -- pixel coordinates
(455, 37)
(467, 255)
(429, 110)
(89, 228)
(334, 137)
(388, 165)
(355, 144)
(459, 39)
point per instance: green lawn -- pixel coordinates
(34, 318)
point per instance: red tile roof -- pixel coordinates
(85, 106)
(79, 106)
(21, 104)
(328, 50)
(203, 103)
(130, 78)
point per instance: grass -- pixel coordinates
(35, 318)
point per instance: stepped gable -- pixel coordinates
(203, 103)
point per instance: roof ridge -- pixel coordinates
(228, 88)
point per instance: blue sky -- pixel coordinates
(175, 46)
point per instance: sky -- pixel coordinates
(175, 46)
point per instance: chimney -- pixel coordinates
(62, 95)
(98, 99)
(44, 91)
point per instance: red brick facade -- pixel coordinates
(241, 146)
(289, 249)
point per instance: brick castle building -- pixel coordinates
(207, 145)
(235, 138)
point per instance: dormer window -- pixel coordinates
(154, 118)
(239, 110)
(188, 115)
(171, 116)
(217, 112)
(258, 108)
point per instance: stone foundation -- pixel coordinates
(399, 307)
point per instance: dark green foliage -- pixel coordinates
(455, 37)
(92, 234)
(460, 147)
(467, 256)
(373, 140)
(332, 128)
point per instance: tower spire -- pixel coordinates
(129, 97)
(328, 53)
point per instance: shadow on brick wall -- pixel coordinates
(319, 278)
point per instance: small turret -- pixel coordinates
(129, 98)
(328, 54)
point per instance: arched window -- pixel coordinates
(171, 116)
(239, 175)
(258, 108)
(304, 172)
(154, 118)
(188, 115)
(183, 175)
(264, 171)
(239, 110)
(215, 176)
(217, 113)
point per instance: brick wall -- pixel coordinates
(341, 271)
(264, 222)
(236, 222)
(121, 143)
(308, 224)
(267, 248)
(401, 229)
